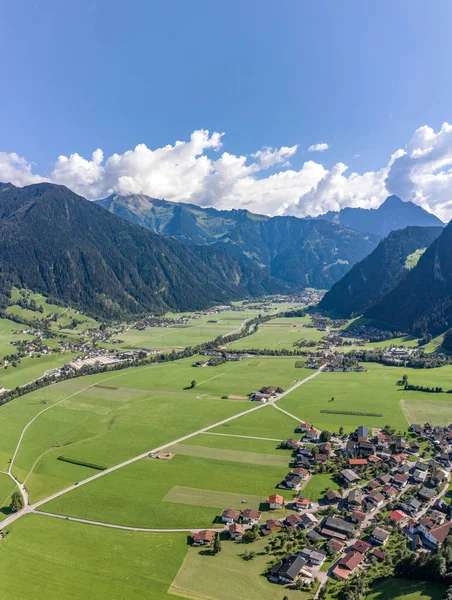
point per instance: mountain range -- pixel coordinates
(58, 243)
(379, 273)
(302, 252)
(393, 214)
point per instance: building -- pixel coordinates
(336, 545)
(288, 570)
(275, 501)
(355, 499)
(236, 531)
(399, 517)
(313, 557)
(332, 497)
(426, 494)
(347, 565)
(308, 520)
(362, 433)
(202, 538)
(380, 536)
(349, 476)
(358, 516)
(437, 535)
(339, 525)
(250, 516)
(361, 546)
(229, 515)
(292, 521)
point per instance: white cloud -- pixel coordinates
(318, 147)
(199, 171)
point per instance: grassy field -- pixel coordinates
(229, 442)
(267, 422)
(134, 495)
(230, 455)
(7, 487)
(318, 485)
(405, 589)
(51, 559)
(373, 391)
(31, 368)
(227, 576)
(437, 410)
(280, 333)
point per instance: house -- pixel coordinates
(271, 390)
(390, 491)
(365, 449)
(292, 482)
(399, 481)
(332, 497)
(438, 477)
(292, 521)
(384, 479)
(361, 546)
(314, 536)
(301, 503)
(379, 554)
(347, 565)
(250, 516)
(312, 436)
(426, 494)
(373, 485)
(416, 428)
(414, 447)
(320, 458)
(339, 525)
(275, 501)
(313, 557)
(396, 460)
(303, 427)
(303, 473)
(288, 570)
(437, 535)
(335, 545)
(202, 538)
(308, 520)
(229, 515)
(355, 499)
(270, 526)
(350, 476)
(412, 506)
(258, 397)
(400, 444)
(358, 516)
(373, 458)
(293, 443)
(419, 476)
(421, 466)
(376, 498)
(235, 531)
(379, 536)
(399, 517)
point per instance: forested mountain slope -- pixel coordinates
(377, 274)
(58, 243)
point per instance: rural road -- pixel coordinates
(28, 508)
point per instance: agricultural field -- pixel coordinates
(44, 558)
(405, 589)
(227, 576)
(31, 368)
(374, 391)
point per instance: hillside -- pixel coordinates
(56, 242)
(391, 215)
(378, 273)
(422, 301)
(303, 252)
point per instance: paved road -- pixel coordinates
(32, 507)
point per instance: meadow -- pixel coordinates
(374, 391)
(398, 589)
(318, 485)
(50, 559)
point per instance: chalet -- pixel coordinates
(416, 428)
(396, 460)
(293, 443)
(358, 516)
(303, 473)
(304, 427)
(414, 447)
(335, 545)
(426, 494)
(355, 499)
(288, 570)
(301, 503)
(339, 525)
(376, 499)
(372, 486)
(292, 521)
(379, 536)
(236, 531)
(200, 363)
(419, 476)
(270, 526)
(399, 517)
(308, 520)
(230, 515)
(399, 481)
(275, 501)
(312, 436)
(379, 554)
(250, 516)
(271, 390)
(320, 458)
(314, 536)
(444, 459)
(428, 428)
(326, 448)
(313, 557)
(349, 476)
(347, 565)
(411, 506)
(421, 466)
(390, 492)
(332, 497)
(438, 477)
(373, 458)
(364, 449)
(400, 444)
(361, 546)
(202, 538)
(384, 479)
(437, 535)
(291, 482)
(358, 463)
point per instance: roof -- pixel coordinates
(354, 462)
(350, 475)
(361, 546)
(314, 554)
(441, 532)
(230, 513)
(289, 568)
(250, 513)
(275, 499)
(398, 515)
(235, 528)
(358, 515)
(351, 560)
(206, 535)
(314, 536)
(336, 545)
(331, 533)
(332, 494)
(373, 458)
(340, 524)
(379, 553)
(380, 533)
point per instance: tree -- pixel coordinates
(325, 436)
(341, 431)
(405, 380)
(17, 502)
(193, 383)
(216, 544)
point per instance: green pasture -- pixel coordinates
(134, 495)
(267, 422)
(373, 391)
(51, 559)
(31, 368)
(318, 485)
(230, 455)
(227, 576)
(7, 487)
(406, 589)
(242, 444)
(437, 410)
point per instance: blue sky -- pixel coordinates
(362, 76)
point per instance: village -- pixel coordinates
(391, 490)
